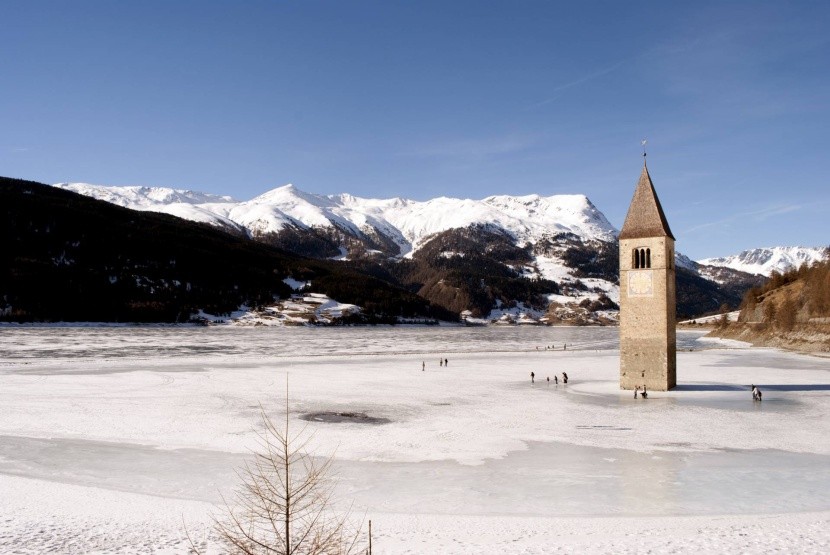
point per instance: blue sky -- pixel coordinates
(422, 99)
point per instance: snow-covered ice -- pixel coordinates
(112, 437)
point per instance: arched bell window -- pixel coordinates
(642, 258)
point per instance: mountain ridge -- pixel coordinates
(69, 257)
(405, 219)
(766, 260)
(540, 253)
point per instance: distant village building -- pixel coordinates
(647, 294)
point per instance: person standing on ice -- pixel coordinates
(756, 393)
(423, 366)
(636, 389)
(532, 377)
(564, 377)
(644, 394)
(440, 362)
(555, 379)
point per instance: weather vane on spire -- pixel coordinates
(643, 142)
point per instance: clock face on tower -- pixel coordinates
(640, 283)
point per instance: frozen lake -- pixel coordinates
(111, 436)
(151, 341)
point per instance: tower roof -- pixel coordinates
(645, 216)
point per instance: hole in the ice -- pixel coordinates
(341, 417)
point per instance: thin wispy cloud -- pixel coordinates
(764, 213)
(474, 148)
(575, 83)
(758, 215)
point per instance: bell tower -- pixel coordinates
(647, 293)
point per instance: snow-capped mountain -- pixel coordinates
(684, 261)
(406, 222)
(764, 261)
(189, 205)
(529, 236)
(137, 196)
(461, 254)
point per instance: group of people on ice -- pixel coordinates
(555, 378)
(756, 393)
(641, 392)
(441, 362)
(553, 347)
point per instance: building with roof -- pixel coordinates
(647, 293)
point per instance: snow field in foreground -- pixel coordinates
(112, 454)
(46, 517)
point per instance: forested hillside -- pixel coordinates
(68, 257)
(791, 310)
(71, 257)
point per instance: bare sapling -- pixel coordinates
(284, 504)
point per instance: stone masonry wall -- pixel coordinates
(647, 316)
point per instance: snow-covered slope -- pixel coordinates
(683, 261)
(561, 238)
(766, 260)
(189, 205)
(406, 222)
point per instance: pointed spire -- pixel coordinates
(645, 216)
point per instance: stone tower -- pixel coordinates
(647, 294)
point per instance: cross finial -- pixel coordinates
(643, 142)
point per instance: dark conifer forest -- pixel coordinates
(67, 257)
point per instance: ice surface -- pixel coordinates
(111, 437)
